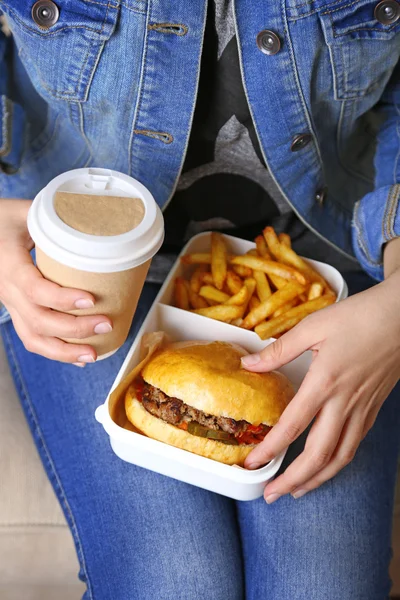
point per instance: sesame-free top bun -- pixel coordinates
(209, 377)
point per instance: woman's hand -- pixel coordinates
(33, 302)
(356, 363)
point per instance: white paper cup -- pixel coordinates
(75, 223)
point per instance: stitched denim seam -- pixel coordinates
(141, 91)
(360, 237)
(388, 30)
(395, 210)
(348, 94)
(66, 28)
(92, 71)
(299, 88)
(194, 102)
(5, 149)
(396, 175)
(82, 129)
(390, 213)
(72, 95)
(140, 11)
(50, 463)
(313, 2)
(311, 12)
(102, 3)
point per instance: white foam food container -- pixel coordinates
(135, 448)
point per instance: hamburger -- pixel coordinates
(196, 396)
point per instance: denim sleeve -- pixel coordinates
(12, 116)
(376, 217)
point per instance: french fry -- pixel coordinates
(269, 266)
(254, 302)
(272, 241)
(315, 290)
(286, 307)
(211, 293)
(242, 271)
(267, 308)
(284, 238)
(197, 258)
(196, 280)
(234, 282)
(181, 294)
(211, 302)
(220, 312)
(252, 252)
(195, 300)
(208, 279)
(240, 298)
(303, 297)
(278, 282)
(262, 285)
(262, 247)
(292, 317)
(288, 256)
(219, 260)
(237, 322)
(250, 283)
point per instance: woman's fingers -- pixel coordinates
(49, 323)
(294, 420)
(347, 446)
(320, 446)
(51, 347)
(38, 290)
(284, 349)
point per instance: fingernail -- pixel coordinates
(84, 303)
(250, 360)
(299, 493)
(271, 498)
(86, 358)
(253, 466)
(79, 364)
(103, 328)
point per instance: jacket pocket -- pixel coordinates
(61, 60)
(363, 51)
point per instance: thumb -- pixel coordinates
(279, 353)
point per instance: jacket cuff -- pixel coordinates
(12, 135)
(376, 221)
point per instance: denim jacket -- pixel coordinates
(113, 83)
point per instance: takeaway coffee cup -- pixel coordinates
(97, 230)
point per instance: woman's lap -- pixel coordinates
(141, 535)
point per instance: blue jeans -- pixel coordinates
(142, 536)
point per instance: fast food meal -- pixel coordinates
(269, 290)
(195, 396)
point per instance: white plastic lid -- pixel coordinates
(94, 253)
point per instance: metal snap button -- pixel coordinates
(45, 13)
(300, 141)
(320, 195)
(387, 12)
(268, 42)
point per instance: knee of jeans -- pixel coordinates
(155, 565)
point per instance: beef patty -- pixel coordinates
(175, 412)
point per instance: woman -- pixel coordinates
(294, 122)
